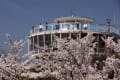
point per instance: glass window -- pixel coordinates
(85, 26)
(77, 26)
(50, 27)
(56, 27)
(74, 26)
(65, 26)
(40, 30)
(36, 29)
(46, 27)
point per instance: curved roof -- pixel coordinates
(73, 19)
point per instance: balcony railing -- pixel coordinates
(48, 28)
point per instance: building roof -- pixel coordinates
(73, 19)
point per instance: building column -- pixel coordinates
(80, 31)
(38, 42)
(69, 34)
(60, 31)
(106, 36)
(79, 35)
(51, 37)
(60, 36)
(33, 44)
(44, 40)
(98, 43)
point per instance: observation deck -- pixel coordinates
(72, 27)
(65, 27)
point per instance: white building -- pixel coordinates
(64, 27)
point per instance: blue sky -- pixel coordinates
(17, 16)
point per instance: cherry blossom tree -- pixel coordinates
(10, 66)
(66, 63)
(72, 60)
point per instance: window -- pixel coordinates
(46, 27)
(40, 30)
(50, 27)
(74, 26)
(85, 26)
(65, 26)
(57, 27)
(77, 26)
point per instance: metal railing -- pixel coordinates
(62, 27)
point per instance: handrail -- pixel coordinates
(72, 27)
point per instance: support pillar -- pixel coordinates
(51, 40)
(33, 44)
(38, 42)
(44, 41)
(69, 35)
(98, 43)
(60, 36)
